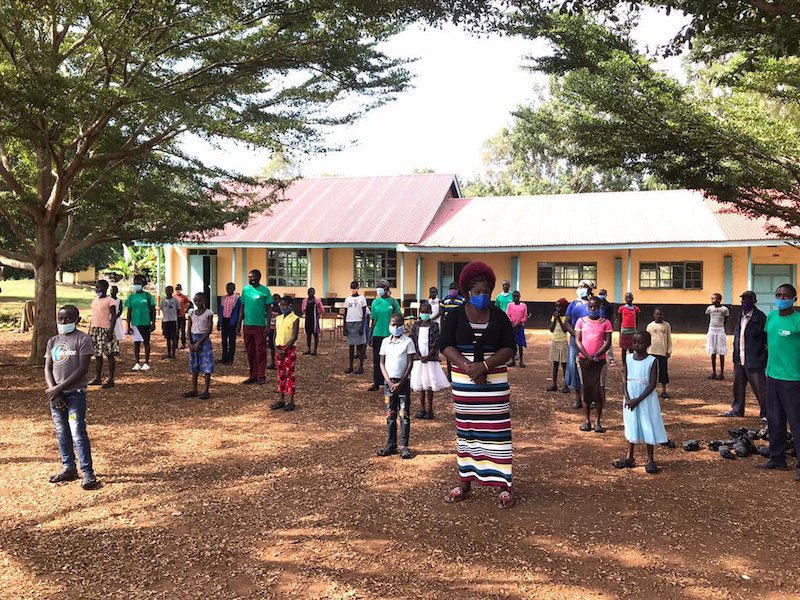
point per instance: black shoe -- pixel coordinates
(420, 414)
(552, 388)
(715, 445)
(565, 389)
(373, 388)
(577, 405)
(277, 405)
(387, 451)
(289, 407)
(763, 451)
(64, 475)
(740, 449)
(691, 445)
(771, 464)
(405, 453)
(250, 380)
(90, 482)
(725, 452)
(737, 432)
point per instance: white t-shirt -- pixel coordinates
(717, 316)
(355, 308)
(398, 351)
(436, 310)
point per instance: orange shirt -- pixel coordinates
(183, 303)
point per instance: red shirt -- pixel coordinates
(629, 316)
(183, 303)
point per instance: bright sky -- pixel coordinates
(464, 90)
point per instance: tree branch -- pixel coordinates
(18, 233)
(97, 237)
(772, 8)
(7, 175)
(15, 260)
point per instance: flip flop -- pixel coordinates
(457, 494)
(586, 426)
(505, 499)
(599, 429)
(107, 385)
(64, 475)
(652, 469)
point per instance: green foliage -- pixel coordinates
(131, 261)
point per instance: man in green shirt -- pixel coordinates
(381, 311)
(256, 299)
(505, 297)
(141, 321)
(783, 376)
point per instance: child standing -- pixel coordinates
(518, 314)
(119, 330)
(66, 364)
(201, 355)
(593, 338)
(186, 305)
(427, 375)
(169, 321)
(641, 412)
(228, 309)
(312, 309)
(628, 321)
(661, 347)
(559, 345)
(354, 327)
(397, 358)
(717, 339)
(141, 321)
(104, 321)
(287, 328)
(607, 311)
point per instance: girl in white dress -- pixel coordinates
(427, 375)
(119, 330)
(641, 411)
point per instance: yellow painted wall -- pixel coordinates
(340, 269)
(178, 271)
(529, 265)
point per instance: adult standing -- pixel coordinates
(577, 308)
(355, 328)
(228, 309)
(783, 376)
(478, 340)
(452, 301)
(141, 321)
(749, 357)
(184, 305)
(256, 300)
(381, 311)
(311, 308)
(505, 297)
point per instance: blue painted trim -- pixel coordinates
(576, 248)
(618, 279)
(419, 278)
(244, 267)
(727, 278)
(630, 271)
(514, 273)
(749, 268)
(325, 273)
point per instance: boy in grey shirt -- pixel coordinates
(169, 320)
(66, 364)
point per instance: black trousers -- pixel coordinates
(398, 405)
(663, 368)
(757, 378)
(182, 330)
(377, 376)
(228, 339)
(783, 404)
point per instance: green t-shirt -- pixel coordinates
(382, 310)
(139, 303)
(783, 345)
(255, 301)
(503, 300)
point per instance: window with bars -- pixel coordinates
(287, 268)
(371, 265)
(565, 275)
(671, 275)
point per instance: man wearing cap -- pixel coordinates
(749, 357)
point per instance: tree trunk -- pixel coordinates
(45, 294)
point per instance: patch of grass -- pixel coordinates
(16, 291)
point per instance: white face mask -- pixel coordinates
(66, 328)
(381, 291)
(582, 292)
(398, 331)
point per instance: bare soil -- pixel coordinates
(228, 499)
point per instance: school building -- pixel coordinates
(670, 248)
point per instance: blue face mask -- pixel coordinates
(602, 296)
(425, 316)
(593, 313)
(784, 304)
(582, 292)
(66, 328)
(100, 294)
(137, 287)
(398, 330)
(381, 292)
(481, 301)
(286, 310)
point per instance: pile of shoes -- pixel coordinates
(741, 444)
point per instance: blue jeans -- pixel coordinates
(71, 428)
(572, 378)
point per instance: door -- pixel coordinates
(448, 273)
(203, 277)
(195, 275)
(766, 279)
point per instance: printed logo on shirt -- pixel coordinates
(61, 353)
(784, 333)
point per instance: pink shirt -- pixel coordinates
(593, 334)
(518, 313)
(101, 315)
(228, 302)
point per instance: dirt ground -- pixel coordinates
(227, 499)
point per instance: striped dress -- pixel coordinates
(483, 421)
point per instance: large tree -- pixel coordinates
(731, 128)
(96, 96)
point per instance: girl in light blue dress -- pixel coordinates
(642, 411)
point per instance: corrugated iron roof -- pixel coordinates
(349, 210)
(604, 218)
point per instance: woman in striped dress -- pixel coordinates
(478, 340)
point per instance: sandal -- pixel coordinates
(652, 468)
(405, 453)
(204, 396)
(90, 483)
(599, 429)
(314, 353)
(289, 407)
(277, 405)
(552, 388)
(348, 370)
(586, 426)
(108, 384)
(457, 494)
(505, 499)
(387, 451)
(359, 371)
(307, 353)
(64, 475)
(522, 365)
(420, 414)
(624, 463)
(94, 382)
(192, 394)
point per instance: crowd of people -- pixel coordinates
(479, 337)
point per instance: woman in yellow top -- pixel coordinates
(287, 328)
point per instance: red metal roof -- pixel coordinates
(348, 210)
